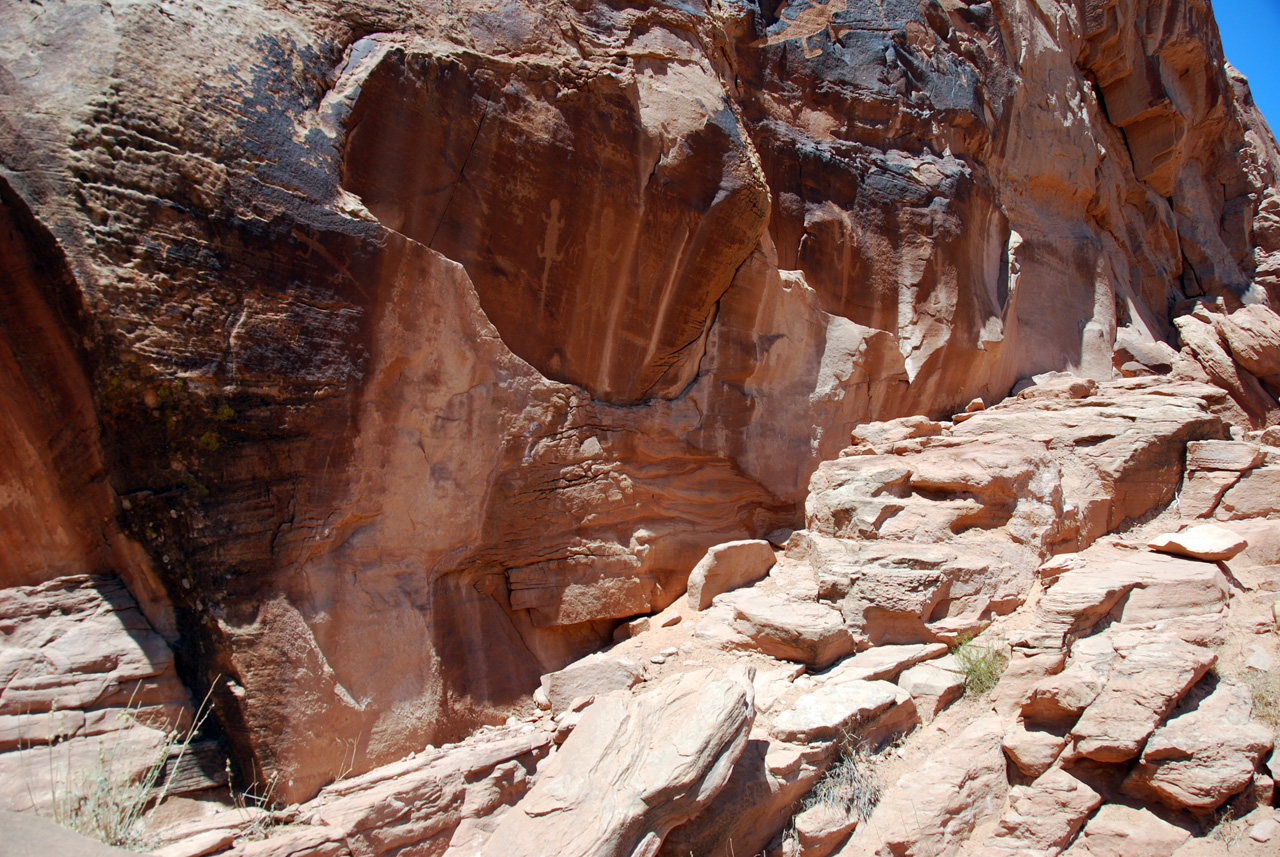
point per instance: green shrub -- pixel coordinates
(982, 665)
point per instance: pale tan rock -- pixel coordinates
(934, 808)
(1121, 831)
(893, 431)
(1205, 542)
(932, 687)
(1264, 831)
(820, 828)
(1204, 755)
(1043, 817)
(805, 631)
(1151, 675)
(1253, 335)
(634, 768)
(1061, 698)
(1202, 490)
(1079, 598)
(828, 712)
(1231, 455)
(1033, 750)
(29, 835)
(595, 674)
(727, 567)
(1203, 340)
(1254, 496)
(881, 662)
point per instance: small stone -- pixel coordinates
(975, 406)
(658, 659)
(672, 621)
(670, 652)
(1259, 659)
(1207, 542)
(1264, 831)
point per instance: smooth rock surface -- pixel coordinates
(633, 768)
(727, 567)
(1205, 542)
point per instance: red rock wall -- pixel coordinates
(422, 344)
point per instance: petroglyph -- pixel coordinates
(548, 250)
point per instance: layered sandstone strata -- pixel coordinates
(394, 354)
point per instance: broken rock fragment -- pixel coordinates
(1205, 542)
(635, 767)
(726, 567)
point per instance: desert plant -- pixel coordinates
(106, 800)
(982, 665)
(1265, 689)
(851, 785)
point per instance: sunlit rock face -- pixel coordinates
(393, 355)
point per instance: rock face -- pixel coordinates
(393, 355)
(632, 770)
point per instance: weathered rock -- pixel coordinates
(805, 631)
(592, 675)
(1202, 340)
(1253, 496)
(1222, 455)
(933, 809)
(80, 668)
(633, 768)
(1033, 750)
(28, 835)
(315, 332)
(881, 662)
(820, 828)
(1253, 335)
(830, 712)
(1121, 831)
(1061, 698)
(1203, 755)
(1205, 542)
(1202, 490)
(1043, 817)
(1151, 675)
(727, 567)
(933, 688)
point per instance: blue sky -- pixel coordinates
(1251, 40)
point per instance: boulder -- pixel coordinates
(820, 828)
(635, 767)
(1033, 750)
(934, 808)
(1204, 754)
(1062, 697)
(726, 567)
(807, 632)
(1255, 495)
(1231, 455)
(1253, 335)
(832, 712)
(1205, 542)
(1151, 675)
(1042, 818)
(1201, 491)
(593, 675)
(932, 687)
(1122, 831)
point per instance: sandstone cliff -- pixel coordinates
(393, 353)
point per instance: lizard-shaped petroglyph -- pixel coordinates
(549, 251)
(811, 21)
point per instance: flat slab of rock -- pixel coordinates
(1121, 831)
(1234, 455)
(28, 835)
(726, 567)
(803, 631)
(635, 767)
(933, 688)
(1151, 675)
(881, 662)
(934, 808)
(1202, 757)
(830, 711)
(595, 674)
(1205, 542)
(1042, 817)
